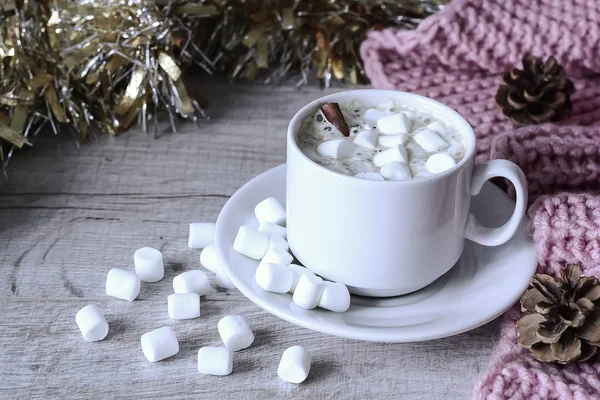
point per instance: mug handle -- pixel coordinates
(482, 173)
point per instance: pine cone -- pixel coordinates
(537, 93)
(562, 323)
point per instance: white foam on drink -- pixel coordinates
(315, 130)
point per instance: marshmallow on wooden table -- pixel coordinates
(278, 242)
(338, 148)
(396, 171)
(235, 332)
(335, 297)
(373, 115)
(429, 140)
(394, 124)
(149, 264)
(91, 323)
(294, 366)
(439, 162)
(372, 176)
(184, 305)
(195, 281)
(366, 139)
(393, 154)
(215, 361)
(297, 272)
(308, 291)
(159, 344)
(251, 243)
(278, 255)
(122, 284)
(393, 140)
(209, 259)
(275, 278)
(271, 229)
(201, 235)
(270, 210)
(223, 280)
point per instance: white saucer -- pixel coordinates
(484, 284)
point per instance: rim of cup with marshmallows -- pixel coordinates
(387, 238)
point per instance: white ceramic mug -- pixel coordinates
(386, 238)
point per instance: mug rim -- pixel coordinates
(464, 130)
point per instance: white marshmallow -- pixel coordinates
(373, 115)
(223, 280)
(367, 127)
(122, 284)
(278, 256)
(439, 162)
(235, 332)
(437, 127)
(278, 242)
(335, 297)
(201, 235)
(372, 176)
(429, 140)
(91, 323)
(195, 281)
(393, 140)
(308, 291)
(394, 124)
(215, 361)
(396, 171)
(149, 264)
(159, 344)
(294, 365)
(338, 148)
(271, 229)
(275, 278)
(270, 210)
(393, 154)
(251, 243)
(366, 139)
(209, 259)
(297, 272)
(183, 305)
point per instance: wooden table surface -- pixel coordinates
(69, 213)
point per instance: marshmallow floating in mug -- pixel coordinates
(439, 162)
(335, 297)
(297, 272)
(91, 323)
(183, 305)
(201, 235)
(194, 281)
(429, 140)
(251, 243)
(270, 210)
(122, 284)
(215, 361)
(338, 148)
(393, 140)
(372, 176)
(235, 332)
(278, 242)
(373, 115)
(393, 154)
(366, 139)
(394, 124)
(396, 171)
(149, 264)
(271, 229)
(437, 127)
(276, 278)
(209, 259)
(278, 255)
(159, 344)
(294, 365)
(308, 291)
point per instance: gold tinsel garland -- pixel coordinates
(106, 63)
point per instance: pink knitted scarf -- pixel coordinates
(455, 57)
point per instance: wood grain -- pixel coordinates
(69, 213)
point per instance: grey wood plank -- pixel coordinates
(69, 213)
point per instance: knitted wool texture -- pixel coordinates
(455, 57)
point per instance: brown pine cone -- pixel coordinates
(562, 323)
(537, 93)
